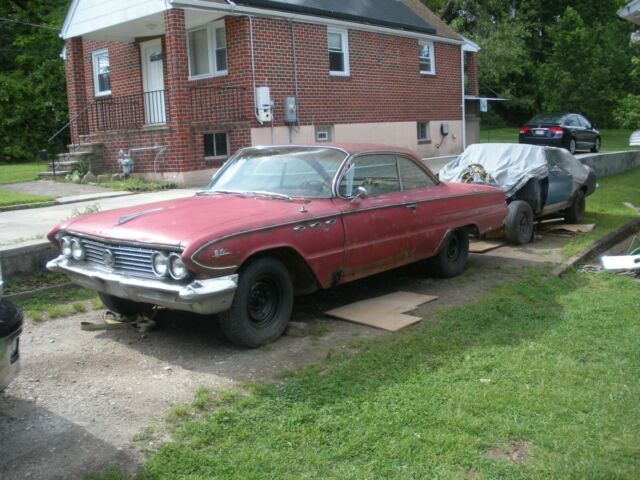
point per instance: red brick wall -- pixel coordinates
(385, 84)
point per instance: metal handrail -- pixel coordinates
(70, 122)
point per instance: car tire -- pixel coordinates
(452, 259)
(575, 213)
(572, 146)
(518, 225)
(261, 306)
(124, 307)
(596, 145)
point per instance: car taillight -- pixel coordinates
(524, 130)
(556, 130)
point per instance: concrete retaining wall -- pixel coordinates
(608, 164)
(25, 260)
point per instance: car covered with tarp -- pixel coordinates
(538, 181)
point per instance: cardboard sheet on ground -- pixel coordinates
(385, 312)
(569, 228)
(484, 246)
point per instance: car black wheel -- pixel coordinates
(124, 307)
(575, 213)
(262, 304)
(519, 223)
(596, 145)
(452, 259)
(572, 146)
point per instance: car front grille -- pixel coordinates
(125, 258)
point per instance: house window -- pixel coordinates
(101, 72)
(338, 41)
(423, 132)
(324, 133)
(216, 145)
(207, 51)
(427, 60)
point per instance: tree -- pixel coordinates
(33, 102)
(548, 55)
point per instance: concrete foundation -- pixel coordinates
(26, 259)
(608, 164)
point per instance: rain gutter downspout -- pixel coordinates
(233, 5)
(464, 107)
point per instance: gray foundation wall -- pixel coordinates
(608, 164)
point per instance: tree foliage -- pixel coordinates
(551, 55)
(33, 101)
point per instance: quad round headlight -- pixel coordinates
(65, 246)
(77, 250)
(160, 264)
(177, 270)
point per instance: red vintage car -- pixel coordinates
(274, 222)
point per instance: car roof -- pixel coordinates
(350, 148)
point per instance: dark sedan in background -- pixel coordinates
(565, 130)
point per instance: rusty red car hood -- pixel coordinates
(174, 222)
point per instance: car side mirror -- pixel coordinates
(361, 192)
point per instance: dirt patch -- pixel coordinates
(517, 452)
(82, 397)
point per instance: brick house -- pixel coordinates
(180, 84)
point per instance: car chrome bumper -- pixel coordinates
(200, 296)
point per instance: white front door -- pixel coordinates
(153, 82)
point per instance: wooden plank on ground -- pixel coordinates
(386, 312)
(484, 246)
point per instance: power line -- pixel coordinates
(13, 20)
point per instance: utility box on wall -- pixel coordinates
(290, 110)
(263, 104)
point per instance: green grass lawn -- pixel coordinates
(605, 208)
(612, 140)
(8, 198)
(547, 368)
(20, 172)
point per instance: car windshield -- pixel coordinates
(280, 172)
(554, 118)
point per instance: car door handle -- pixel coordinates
(412, 206)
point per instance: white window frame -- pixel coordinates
(432, 57)
(324, 133)
(94, 67)
(212, 47)
(427, 128)
(344, 35)
(214, 133)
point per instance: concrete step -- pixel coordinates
(86, 148)
(49, 175)
(65, 165)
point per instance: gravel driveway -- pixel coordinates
(82, 396)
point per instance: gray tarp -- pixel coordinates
(512, 165)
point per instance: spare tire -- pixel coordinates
(518, 225)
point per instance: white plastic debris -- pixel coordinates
(621, 262)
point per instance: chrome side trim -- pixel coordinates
(200, 296)
(253, 230)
